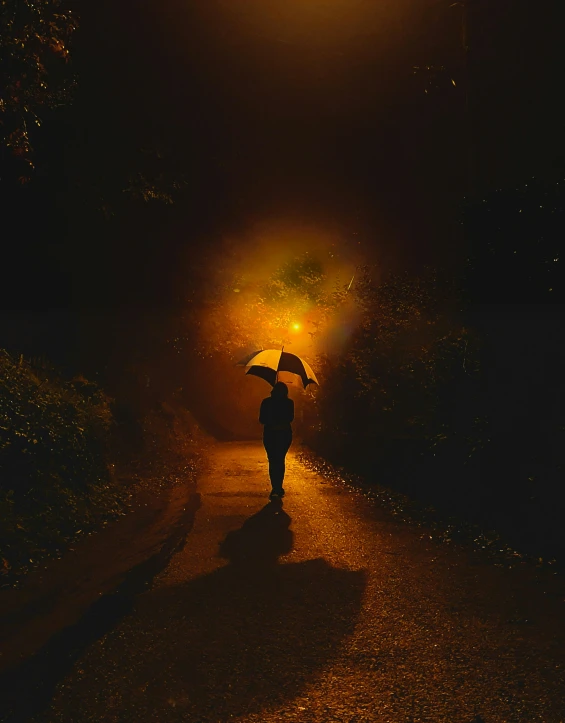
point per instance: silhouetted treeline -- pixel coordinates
(515, 286)
(462, 404)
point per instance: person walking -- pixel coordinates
(276, 416)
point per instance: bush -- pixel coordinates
(397, 376)
(54, 479)
(454, 393)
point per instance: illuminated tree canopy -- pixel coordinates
(242, 314)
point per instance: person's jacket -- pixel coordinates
(277, 413)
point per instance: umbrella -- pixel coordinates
(274, 365)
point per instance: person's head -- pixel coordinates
(280, 390)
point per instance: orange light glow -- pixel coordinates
(296, 327)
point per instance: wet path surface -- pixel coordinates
(323, 610)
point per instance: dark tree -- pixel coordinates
(35, 76)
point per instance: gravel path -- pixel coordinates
(325, 610)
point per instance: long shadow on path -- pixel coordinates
(247, 637)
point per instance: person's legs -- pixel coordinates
(276, 471)
(285, 442)
(269, 442)
(276, 446)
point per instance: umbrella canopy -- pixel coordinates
(276, 365)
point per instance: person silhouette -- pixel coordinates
(276, 415)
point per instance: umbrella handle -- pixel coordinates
(277, 377)
(277, 374)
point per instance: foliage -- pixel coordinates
(34, 77)
(247, 315)
(463, 409)
(124, 175)
(299, 279)
(54, 481)
(393, 371)
(160, 187)
(407, 348)
(515, 288)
